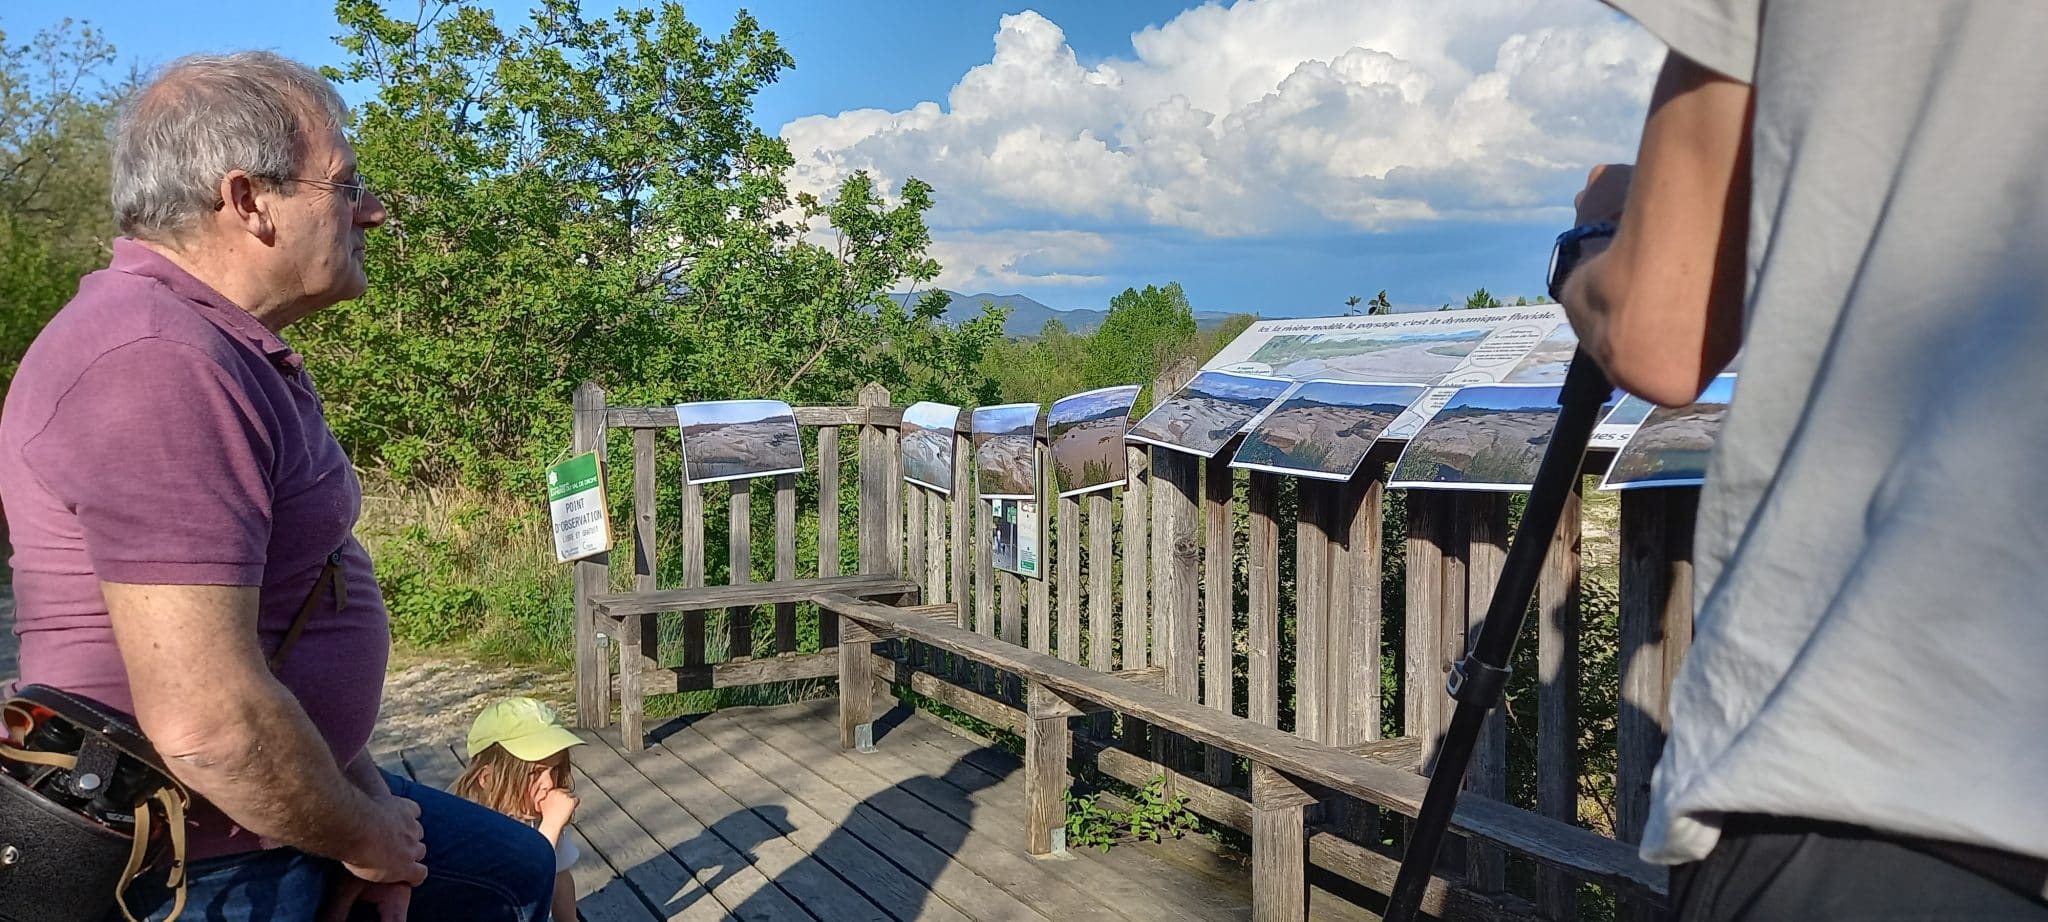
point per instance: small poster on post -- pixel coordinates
(576, 503)
(1086, 434)
(928, 445)
(1015, 539)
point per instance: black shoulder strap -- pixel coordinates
(330, 576)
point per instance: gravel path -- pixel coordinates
(428, 698)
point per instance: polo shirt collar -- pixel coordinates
(135, 259)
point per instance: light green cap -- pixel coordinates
(528, 729)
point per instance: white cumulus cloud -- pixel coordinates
(1257, 117)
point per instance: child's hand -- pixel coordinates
(557, 806)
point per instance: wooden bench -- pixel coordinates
(633, 619)
(1291, 775)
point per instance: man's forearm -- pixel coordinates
(362, 771)
(267, 768)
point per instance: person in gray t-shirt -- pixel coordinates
(1852, 193)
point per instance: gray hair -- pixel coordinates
(206, 115)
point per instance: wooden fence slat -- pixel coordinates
(914, 534)
(964, 544)
(1069, 541)
(1101, 645)
(1488, 551)
(693, 571)
(593, 577)
(1041, 586)
(876, 506)
(1656, 628)
(1137, 546)
(1422, 673)
(639, 635)
(740, 525)
(1359, 648)
(1262, 645)
(1311, 608)
(785, 559)
(828, 524)
(1557, 696)
(935, 588)
(1219, 605)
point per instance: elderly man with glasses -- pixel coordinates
(182, 517)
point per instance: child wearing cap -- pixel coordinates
(519, 766)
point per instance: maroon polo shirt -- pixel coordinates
(156, 433)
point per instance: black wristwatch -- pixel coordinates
(1566, 253)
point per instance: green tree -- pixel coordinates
(1143, 330)
(1379, 305)
(57, 106)
(1481, 298)
(1351, 305)
(587, 198)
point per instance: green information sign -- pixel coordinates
(576, 503)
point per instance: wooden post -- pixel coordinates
(1279, 847)
(638, 629)
(1557, 695)
(1047, 746)
(913, 510)
(593, 577)
(694, 629)
(1219, 608)
(1311, 609)
(1177, 576)
(740, 561)
(1101, 640)
(1262, 645)
(876, 511)
(1656, 629)
(785, 559)
(1354, 632)
(936, 592)
(1069, 543)
(1486, 870)
(1041, 586)
(963, 543)
(856, 688)
(1422, 680)
(1137, 547)
(828, 501)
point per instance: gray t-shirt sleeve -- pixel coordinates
(1720, 35)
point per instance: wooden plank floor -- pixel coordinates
(755, 814)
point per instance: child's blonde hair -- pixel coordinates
(503, 782)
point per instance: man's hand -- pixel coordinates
(1605, 193)
(396, 848)
(391, 901)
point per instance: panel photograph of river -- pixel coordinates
(1672, 446)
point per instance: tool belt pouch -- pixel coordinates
(85, 806)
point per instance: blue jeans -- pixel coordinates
(481, 865)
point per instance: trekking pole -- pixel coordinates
(1478, 680)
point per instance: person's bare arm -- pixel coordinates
(1661, 309)
(565, 897)
(225, 727)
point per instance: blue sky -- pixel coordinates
(1272, 156)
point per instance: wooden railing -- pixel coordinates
(1174, 584)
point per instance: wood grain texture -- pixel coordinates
(1047, 745)
(1311, 608)
(739, 621)
(1069, 541)
(1219, 605)
(1594, 857)
(1101, 574)
(1262, 567)
(1488, 777)
(706, 598)
(785, 559)
(1557, 696)
(1423, 665)
(1279, 847)
(1656, 628)
(1134, 633)
(829, 472)
(593, 577)
(694, 627)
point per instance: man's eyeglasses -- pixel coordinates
(353, 192)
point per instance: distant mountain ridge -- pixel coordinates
(1028, 317)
